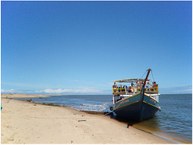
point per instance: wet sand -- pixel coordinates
(30, 123)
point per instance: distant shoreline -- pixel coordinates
(47, 95)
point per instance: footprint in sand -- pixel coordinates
(11, 139)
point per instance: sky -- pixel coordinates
(82, 47)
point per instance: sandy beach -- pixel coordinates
(30, 123)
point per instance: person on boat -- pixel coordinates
(119, 88)
(115, 88)
(154, 84)
(147, 88)
(138, 88)
(122, 89)
(130, 89)
(135, 89)
(125, 89)
(115, 85)
(155, 87)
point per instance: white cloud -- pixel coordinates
(9, 91)
(73, 91)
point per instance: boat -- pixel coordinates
(135, 99)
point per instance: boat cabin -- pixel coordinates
(130, 87)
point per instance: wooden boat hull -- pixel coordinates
(134, 109)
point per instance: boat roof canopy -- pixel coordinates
(128, 80)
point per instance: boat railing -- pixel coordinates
(117, 91)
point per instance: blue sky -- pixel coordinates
(81, 47)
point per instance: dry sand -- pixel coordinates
(29, 123)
